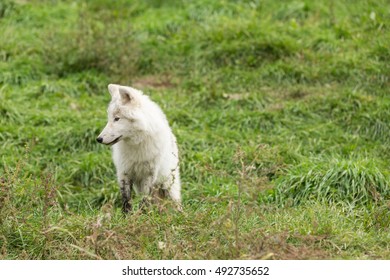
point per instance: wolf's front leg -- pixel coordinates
(145, 189)
(126, 187)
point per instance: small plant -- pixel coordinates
(353, 182)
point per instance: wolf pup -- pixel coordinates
(144, 148)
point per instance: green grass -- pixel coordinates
(281, 110)
(352, 181)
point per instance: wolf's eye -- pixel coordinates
(116, 119)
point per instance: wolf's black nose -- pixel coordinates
(99, 139)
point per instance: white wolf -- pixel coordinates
(145, 153)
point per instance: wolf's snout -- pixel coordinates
(99, 139)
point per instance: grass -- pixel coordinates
(355, 182)
(281, 110)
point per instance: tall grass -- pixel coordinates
(353, 182)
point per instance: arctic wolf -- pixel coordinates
(144, 148)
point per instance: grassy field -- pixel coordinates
(281, 110)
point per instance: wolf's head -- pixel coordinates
(126, 120)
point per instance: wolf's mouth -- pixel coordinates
(116, 140)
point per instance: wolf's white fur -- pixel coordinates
(144, 148)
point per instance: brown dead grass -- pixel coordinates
(141, 238)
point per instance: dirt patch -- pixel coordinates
(155, 82)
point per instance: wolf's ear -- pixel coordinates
(113, 89)
(128, 94)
